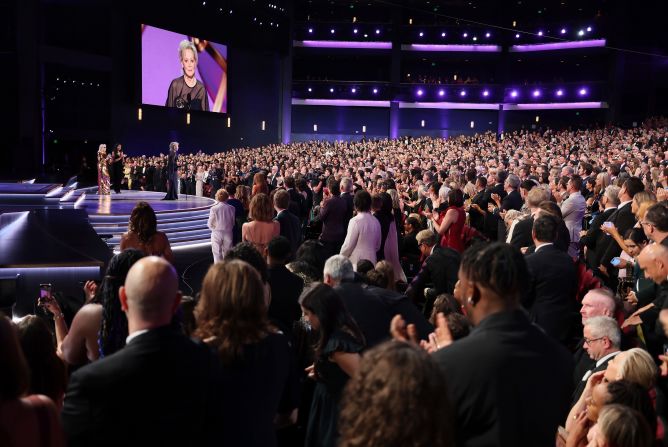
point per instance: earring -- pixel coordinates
(469, 301)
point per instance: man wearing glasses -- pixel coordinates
(602, 339)
(655, 223)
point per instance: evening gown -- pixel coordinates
(331, 379)
(103, 180)
(199, 184)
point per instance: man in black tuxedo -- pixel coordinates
(592, 237)
(479, 204)
(522, 231)
(347, 196)
(162, 388)
(623, 219)
(215, 178)
(290, 225)
(602, 341)
(333, 211)
(372, 315)
(172, 174)
(439, 270)
(550, 298)
(285, 286)
(297, 202)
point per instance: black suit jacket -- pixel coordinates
(623, 219)
(593, 236)
(333, 213)
(550, 298)
(350, 207)
(400, 304)
(522, 233)
(494, 376)
(476, 218)
(513, 201)
(286, 287)
(161, 389)
(290, 229)
(438, 271)
(579, 388)
(371, 314)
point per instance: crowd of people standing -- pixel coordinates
(469, 291)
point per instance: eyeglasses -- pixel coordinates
(590, 340)
(644, 222)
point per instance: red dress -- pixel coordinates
(453, 236)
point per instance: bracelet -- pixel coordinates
(58, 316)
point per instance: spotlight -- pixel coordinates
(581, 33)
(466, 35)
(310, 89)
(310, 30)
(513, 94)
(377, 31)
(331, 30)
(375, 91)
(517, 36)
(421, 34)
(536, 93)
(485, 93)
(331, 90)
(582, 91)
(560, 92)
(563, 30)
(441, 93)
(353, 90)
(462, 93)
(475, 38)
(420, 92)
(442, 34)
(540, 33)
(355, 31)
(589, 29)
(488, 35)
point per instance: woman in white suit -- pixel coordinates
(364, 236)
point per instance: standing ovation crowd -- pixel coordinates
(467, 291)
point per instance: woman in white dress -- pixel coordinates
(199, 181)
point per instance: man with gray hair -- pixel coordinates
(347, 196)
(602, 341)
(590, 238)
(372, 315)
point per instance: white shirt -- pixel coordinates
(624, 203)
(599, 362)
(544, 244)
(134, 335)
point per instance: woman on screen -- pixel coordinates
(186, 92)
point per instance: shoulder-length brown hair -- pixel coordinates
(261, 208)
(143, 222)
(231, 311)
(393, 377)
(14, 374)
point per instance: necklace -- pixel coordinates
(193, 81)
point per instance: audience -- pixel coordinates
(221, 223)
(143, 233)
(262, 228)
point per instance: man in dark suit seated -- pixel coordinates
(591, 237)
(371, 314)
(290, 226)
(162, 388)
(285, 286)
(602, 340)
(439, 270)
(550, 298)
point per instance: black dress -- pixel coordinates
(117, 171)
(190, 98)
(331, 379)
(256, 387)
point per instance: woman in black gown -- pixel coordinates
(118, 158)
(187, 92)
(260, 381)
(336, 360)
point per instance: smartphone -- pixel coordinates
(44, 293)
(608, 224)
(615, 261)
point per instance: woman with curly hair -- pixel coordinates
(259, 381)
(143, 233)
(396, 378)
(336, 359)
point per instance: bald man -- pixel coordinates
(162, 388)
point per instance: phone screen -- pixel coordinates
(44, 291)
(615, 261)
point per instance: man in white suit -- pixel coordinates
(221, 223)
(364, 236)
(573, 210)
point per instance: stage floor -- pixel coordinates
(123, 203)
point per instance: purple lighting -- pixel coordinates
(487, 35)
(540, 33)
(453, 48)
(375, 91)
(462, 93)
(485, 93)
(310, 89)
(465, 35)
(331, 90)
(421, 34)
(560, 92)
(355, 31)
(353, 90)
(377, 31)
(517, 36)
(343, 44)
(536, 93)
(442, 34)
(420, 92)
(557, 106)
(563, 30)
(310, 30)
(331, 30)
(589, 29)
(558, 46)
(582, 91)
(513, 94)
(441, 93)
